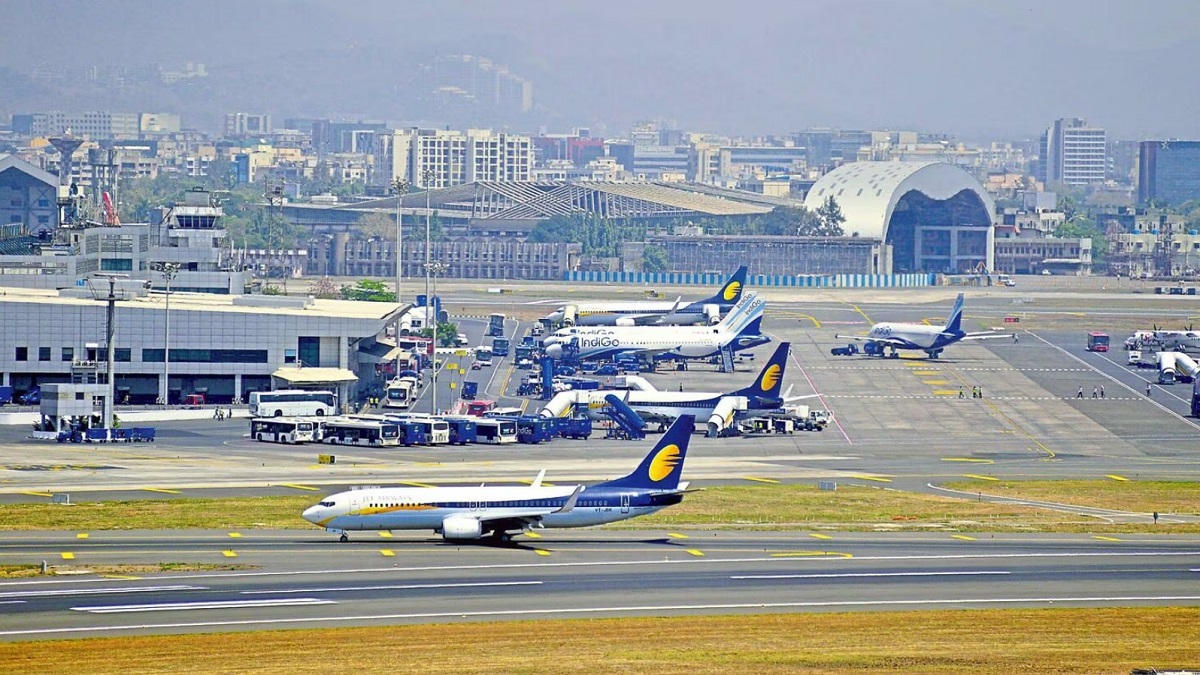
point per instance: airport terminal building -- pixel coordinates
(222, 346)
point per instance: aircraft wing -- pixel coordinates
(520, 519)
(867, 338)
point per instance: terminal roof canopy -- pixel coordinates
(312, 376)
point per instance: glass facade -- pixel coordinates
(1169, 172)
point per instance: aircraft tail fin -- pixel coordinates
(731, 292)
(770, 381)
(954, 323)
(747, 311)
(663, 466)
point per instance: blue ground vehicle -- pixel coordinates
(411, 433)
(608, 369)
(532, 430)
(500, 346)
(462, 431)
(6, 395)
(470, 390)
(574, 427)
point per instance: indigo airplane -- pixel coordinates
(654, 313)
(929, 339)
(459, 513)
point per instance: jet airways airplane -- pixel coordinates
(459, 513)
(661, 407)
(652, 313)
(740, 329)
(929, 339)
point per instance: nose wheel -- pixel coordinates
(344, 538)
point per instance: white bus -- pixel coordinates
(345, 431)
(292, 403)
(437, 431)
(401, 393)
(283, 430)
(495, 431)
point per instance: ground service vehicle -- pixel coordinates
(495, 325)
(283, 430)
(495, 431)
(483, 356)
(1097, 342)
(480, 407)
(375, 433)
(400, 393)
(6, 395)
(500, 346)
(292, 403)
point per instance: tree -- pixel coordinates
(831, 217)
(368, 290)
(325, 289)
(378, 225)
(654, 259)
(447, 332)
(1083, 228)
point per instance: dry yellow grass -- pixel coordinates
(965, 641)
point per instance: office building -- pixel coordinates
(438, 158)
(1072, 152)
(1168, 172)
(95, 125)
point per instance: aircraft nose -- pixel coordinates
(312, 514)
(554, 351)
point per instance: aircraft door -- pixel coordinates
(355, 503)
(624, 503)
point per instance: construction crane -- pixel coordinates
(111, 218)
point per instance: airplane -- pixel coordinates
(471, 513)
(929, 339)
(740, 329)
(662, 407)
(654, 313)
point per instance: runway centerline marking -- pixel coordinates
(394, 587)
(870, 575)
(624, 609)
(185, 606)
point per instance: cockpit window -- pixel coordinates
(326, 504)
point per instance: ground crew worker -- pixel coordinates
(1101, 391)
(1095, 393)
(960, 393)
(1079, 394)
(1016, 338)
(1147, 389)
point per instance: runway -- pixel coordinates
(303, 579)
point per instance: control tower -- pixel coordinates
(66, 146)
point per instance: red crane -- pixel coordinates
(110, 212)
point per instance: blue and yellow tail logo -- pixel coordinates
(664, 462)
(731, 291)
(770, 377)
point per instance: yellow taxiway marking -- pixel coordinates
(1114, 476)
(944, 392)
(533, 535)
(541, 551)
(387, 553)
(229, 553)
(877, 479)
(413, 483)
(385, 534)
(677, 535)
(696, 552)
(67, 555)
(816, 535)
(165, 491)
(935, 383)
(297, 486)
(235, 535)
(861, 313)
(963, 537)
(968, 459)
(1103, 538)
(979, 477)
(756, 479)
(82, 535)
(812, 554)
(529, 481)
(428, 463)
(924, 372)
(122, 577)
(37, 493)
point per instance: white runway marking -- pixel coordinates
(577, 611)
(398, 587)
(12, 602)
(70, 592)
(869, 575)
(183, 606)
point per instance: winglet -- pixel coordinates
(537, 482)
(570, 503)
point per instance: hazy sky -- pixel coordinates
(972, 68)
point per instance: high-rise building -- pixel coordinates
(1168, 172)
(440, 158)
(96, 125)
(1072, 152)
(241, 124)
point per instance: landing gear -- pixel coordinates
(934, 353)
(344, 538)
(501, 537)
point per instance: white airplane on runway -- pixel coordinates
(652, 313)
(740, 329)
(471, 512)
(661, 407)
(929, 339)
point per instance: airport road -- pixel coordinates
(306, 580)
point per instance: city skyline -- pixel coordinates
(998, 72)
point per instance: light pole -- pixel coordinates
(427, 177)
(169, 271)
(110, 337)
(434, 268)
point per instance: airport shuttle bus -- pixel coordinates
(283, 430)
(495, 431)
(437, 432)
(292, 403)
(401, 393)
(375, 433)
(1097, 342)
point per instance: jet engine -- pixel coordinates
(626, 321)
(723, 414)
(461, 527)
(713, 314)
(569, 313)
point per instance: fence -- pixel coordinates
(714, 279)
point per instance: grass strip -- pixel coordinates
(745, 507)
(980, 642)
(1142, 496)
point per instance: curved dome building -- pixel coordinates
(934, 216)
